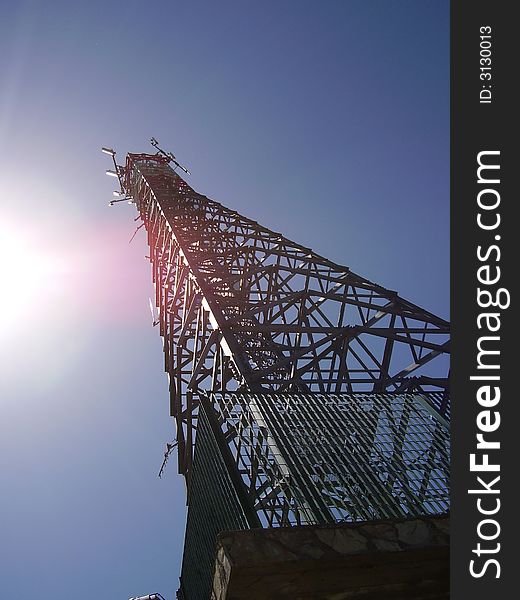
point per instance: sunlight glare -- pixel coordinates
(27, 274)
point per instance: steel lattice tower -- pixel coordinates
(268, 346)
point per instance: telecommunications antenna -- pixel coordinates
(118, 171)
(168, 155)
(169, 449)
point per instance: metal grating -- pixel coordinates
(275, 460)
(322, 458)
(215, 505)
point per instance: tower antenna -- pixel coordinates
(169, 155)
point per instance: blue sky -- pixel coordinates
(326, 121)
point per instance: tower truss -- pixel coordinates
(244, 309)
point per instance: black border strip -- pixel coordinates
(478, 127)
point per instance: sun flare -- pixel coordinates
(27, 274)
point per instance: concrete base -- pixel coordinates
(390, 560)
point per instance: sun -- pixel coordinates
(27, 274)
